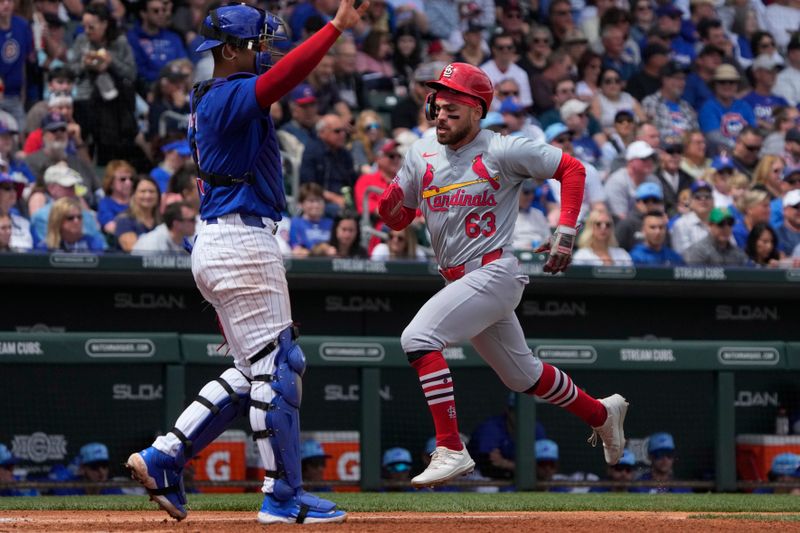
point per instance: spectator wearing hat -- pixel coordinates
(396, 466)
(557, 67)
(61, 104)
(59, 80)
(649, 197)
(790, 180)
(18, 53)
(648, 79)
(169, 108)
(547, 463)
(594, 195)
(575, 116)
(576, 44)
(388, 161)
(622, 472)
(723, 117)
(782, 20)
(20, 237)
(65, 230)
(175, 155)
(672, 115)
(93, 467)
(60, 181)
(661, 451)
(787, 83)
(700, 79)
(653, 251)
(305, 114)
(623, 134)
(539, 47)
(755, 209)
(611, 98)
(621, 185)
(789, 231)
(673, 180)
(762, 98)
(785, 468)
(669, 23)
(722, 170)
(474, 51)
(518, 122)
(7, 464)
(327, 162)
(597, 244)
(531, 228)
(152, 43)
(693, 160)
(716, 248)
(692, 227)
(502, 66)
(313, 460)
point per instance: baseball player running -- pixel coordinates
(467, 182)
(238, 267)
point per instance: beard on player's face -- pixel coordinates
(454, 125)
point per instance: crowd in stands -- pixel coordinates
(684, 112)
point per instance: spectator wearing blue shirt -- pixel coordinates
(304, 110)
(152, 43)
(65, 230)
(324, 9)
(698, 82)
(93, 466)
(118, 188)
(16, 53)
(669, 22)
(789, 231)
(661, 450)
(723, 117)
(176, 154)
(785, 468)
(7, 463)
(755, 209)
(313, 460)
(653, 251)
(761, 98)
(312, 227)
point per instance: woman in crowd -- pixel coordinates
(754, 206)
(769, 175)
(401, 245)
(643, 20)
(142, 215)
(407, 54)
(694, 161)
(118, 187)
(762, 246)
(65, 229)
(589, 68)
(368, 135)
(375, 57)
(611, 99)
(597, 244)
(345, 239)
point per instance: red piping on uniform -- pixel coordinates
(572, 175)
(295, 66)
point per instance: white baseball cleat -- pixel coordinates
(446, 464)
(611, 432)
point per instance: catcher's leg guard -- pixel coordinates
(275, 419)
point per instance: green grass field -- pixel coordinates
(443, 502)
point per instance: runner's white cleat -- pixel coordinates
(611, 432)
(446, 464)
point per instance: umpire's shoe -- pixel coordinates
(446, 464)
(611, 432)
(303, 508)
(157, 472)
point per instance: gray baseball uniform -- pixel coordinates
(469, 198)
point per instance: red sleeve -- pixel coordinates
(292, 69)
(572, 175)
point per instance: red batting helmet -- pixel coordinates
(467, 79)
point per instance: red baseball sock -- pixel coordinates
(434, 376)
(557, 388)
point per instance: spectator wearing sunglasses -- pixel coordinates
(692, 227)
(327, 162)
(388, 161)
(597, 244)
(746, 151)
(724, 117)
(717, 248)
(93, 465)
(118, 188)
(622, 472)
(789, 232)
(672, 115)
(65, 229)
(672, 179)
(502, 66)
(613, 98)
(661, 451)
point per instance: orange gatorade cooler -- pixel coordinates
(754, 453)
(222, 460)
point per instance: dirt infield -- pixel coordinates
(209, 521)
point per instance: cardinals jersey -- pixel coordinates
(470, 196)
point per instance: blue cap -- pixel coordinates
(238, 21)
(310, 448)
(649, 190)
(493, 118)
(627, 459)
(788, 171)
(660, 442)
(6, 457)
(668, 10)
(94, 452)
(700, 184)
(722, 162)
(786, 464)
(303, 94)
(546, 450)
(182, 147)
(554, 130)
(511, 105)
(398, 458)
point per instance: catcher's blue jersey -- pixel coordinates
(233, 137)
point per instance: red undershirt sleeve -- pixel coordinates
(295, 66)
(572, 175)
